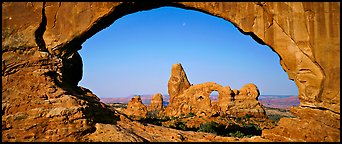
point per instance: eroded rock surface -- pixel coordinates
(246, 102)
(178, 81)
(127, 130)
(156, 103)
(324, 125)
(44, 110)
(39, 38)
(196, 99)
(135, 107)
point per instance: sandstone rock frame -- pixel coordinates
(40, 41)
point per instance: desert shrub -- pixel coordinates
(248, 116)
(174, 117)
(257, 127)
(182, 126)
(238, 119)
(152, 114)
(153, 118)
(275, 117)
(208, 127)
(251, 130)
(234, 130)
(166, 118)
(179, 125)
(190, 114)
(237, 134)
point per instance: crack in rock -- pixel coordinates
(40, 31)
(55, 17)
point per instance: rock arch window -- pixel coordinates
(119, 59)
(214, 96)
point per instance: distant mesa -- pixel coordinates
(273, 101)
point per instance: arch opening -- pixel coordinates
(214, 96)
(193, 70)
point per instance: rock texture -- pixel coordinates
(156, 103)
(127, 130)
(44, 111)
(40, 40)
(248, 92)
(246, 102)
(178, 81)
(312, 125)
(136, 108)
(196, 99)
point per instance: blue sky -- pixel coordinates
(135, 54)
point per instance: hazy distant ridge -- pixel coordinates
(276, 101)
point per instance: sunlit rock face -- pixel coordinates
(156, 103)
(178, 81)
(135, 107)
(39, 103)
(246, 102)
(196, 99)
